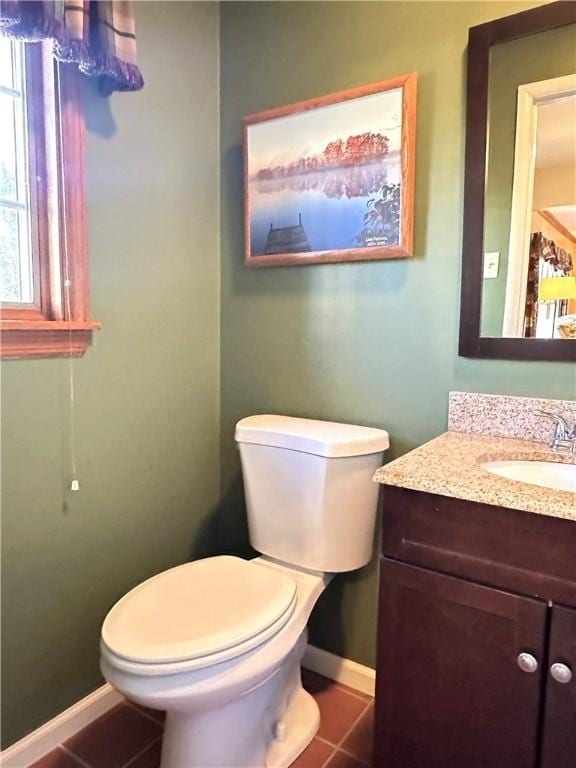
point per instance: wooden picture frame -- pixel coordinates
(331, 179)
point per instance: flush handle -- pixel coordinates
(561, 672)
(527, 662)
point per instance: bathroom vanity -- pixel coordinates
(477, 610)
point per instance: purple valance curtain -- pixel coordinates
(98, 35)
(543, 248)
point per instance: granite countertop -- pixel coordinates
(449, 465)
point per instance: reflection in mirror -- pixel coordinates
(529, 275)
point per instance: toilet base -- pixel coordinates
(302, 721)
(267, 727)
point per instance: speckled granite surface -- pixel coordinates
(505, 415)
(449, 465)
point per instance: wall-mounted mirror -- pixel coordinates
(519, 240)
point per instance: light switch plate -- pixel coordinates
(491, 262)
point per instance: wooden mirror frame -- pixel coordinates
(480, 40)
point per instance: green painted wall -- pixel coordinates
(147, 417)
(366, 343)
(527, 60)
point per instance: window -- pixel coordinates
(43, 241)
(16, 256)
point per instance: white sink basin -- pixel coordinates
(549, 474)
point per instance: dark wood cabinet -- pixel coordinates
(559, 730)
(449, 653)
(459, 603)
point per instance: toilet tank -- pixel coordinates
(309, 493)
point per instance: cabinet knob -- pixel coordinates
(561, 672)
(527, 662)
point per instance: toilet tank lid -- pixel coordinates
(321, 438)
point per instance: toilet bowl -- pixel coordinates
(246, 686)
(217, 643)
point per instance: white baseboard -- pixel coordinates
(341, 670)
(53, 733)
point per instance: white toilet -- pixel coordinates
(217, 643)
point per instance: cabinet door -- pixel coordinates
(559, 742)
(449, 691)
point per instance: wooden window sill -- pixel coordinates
(25, 339)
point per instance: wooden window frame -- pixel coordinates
(60, 323)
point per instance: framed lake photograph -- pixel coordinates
(332, 179)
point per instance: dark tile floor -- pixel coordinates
(129, 736)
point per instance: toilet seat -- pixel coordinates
(197, 615)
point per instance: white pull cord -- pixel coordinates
(74, 483)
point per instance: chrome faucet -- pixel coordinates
(564, 436)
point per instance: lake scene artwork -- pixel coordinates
(327, 178)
